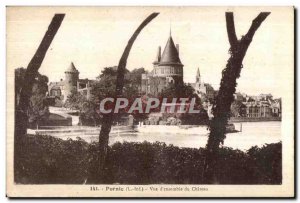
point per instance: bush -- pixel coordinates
(266, 163)
(45, 159)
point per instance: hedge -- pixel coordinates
(49, 160)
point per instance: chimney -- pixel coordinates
(177, 47)
(158, 54)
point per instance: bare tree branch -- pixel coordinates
(231, 29)
(254, 26)
(108, 119)
(31, 73)
(123, 60)
(225, 97)
(21, 117)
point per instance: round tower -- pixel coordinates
(71, 78)
(170, 65)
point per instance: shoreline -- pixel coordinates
(247, 119)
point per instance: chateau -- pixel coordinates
(167, 69)
(62, 89)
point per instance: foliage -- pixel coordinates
(52, 160)
(185, 91)
(45, 159)
(89, 116)
(135, 78)
(238, 109)
(38, 108)
(195, 118)
(86, 109)
(105, 87)
(179, 91)
(264, 158)
(76, 101)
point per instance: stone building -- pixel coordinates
(203, 89)
(276, 107)
(62, 89)
(167, 69)
(258, 109)
(262, 107)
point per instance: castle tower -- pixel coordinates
(71, 78)
(167, 70)
(198, 76)
(170, 65)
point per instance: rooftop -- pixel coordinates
(170, 54)
(72, 68)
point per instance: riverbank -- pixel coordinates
(49, 160)
(249, 119)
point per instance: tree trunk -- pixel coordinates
(225, 97)
(108, 119)
(21, 118)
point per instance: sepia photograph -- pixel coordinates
(150, 101)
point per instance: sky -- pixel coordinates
(95, 37)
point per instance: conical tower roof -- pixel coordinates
(72, 68)
(198, 73)
(198, 79)
(170, 54)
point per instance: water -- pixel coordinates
(253, 133)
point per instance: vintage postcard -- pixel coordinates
(150, 102)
